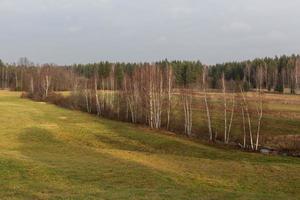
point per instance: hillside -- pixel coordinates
(47, 152)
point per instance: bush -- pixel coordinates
(56, 99)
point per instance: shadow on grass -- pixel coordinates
(88, 173)
(133, 138)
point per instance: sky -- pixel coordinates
(84, 31)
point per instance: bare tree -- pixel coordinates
(244, 128)
(16, 80)
(169, 92)
(98, 108)
(204, 80)
(88, 97)
(132, 95)
(259, 102)
(187, 98)
(31, 84)
(225, 107)
(47, 85)
(154, 94)
(259, 106)
(45, 74)
(245, 107)
(227, 126)
(231, 117)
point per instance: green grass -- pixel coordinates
(47, 152)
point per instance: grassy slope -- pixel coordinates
(281, 115)
(51, 153)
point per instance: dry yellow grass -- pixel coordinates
(48, 152)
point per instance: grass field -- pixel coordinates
(47, 152)
(281, 118)
(280, 124)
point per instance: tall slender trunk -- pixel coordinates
(206, 106)
(21, 81)
(188, 115)
(150, 102)
(47, 85)
(225, 107)
(16, 79)
(87, 100)
(244, 127)
(96, 96)
(170, 74)
(31, 85)
(86, 93)
(260, 115)
(248, 118)
(231, 118)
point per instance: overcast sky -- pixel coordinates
(81, 31)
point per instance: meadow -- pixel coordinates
(280, 123)
(47, 152)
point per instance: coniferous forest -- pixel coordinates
(278, 74)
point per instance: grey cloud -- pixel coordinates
(68, 31)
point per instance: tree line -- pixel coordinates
(164, 95)
(278, 73)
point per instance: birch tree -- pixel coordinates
(245, 108)
(169, 92)
(227, 123)
(259, 106)
(258, 101)
(46, 80)
(208, 115)
(132, 95)
(98, 108)
(153, 88)
(187, 98)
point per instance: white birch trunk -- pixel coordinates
(206, 106)
(96, 97)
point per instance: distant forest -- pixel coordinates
(279, 74)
